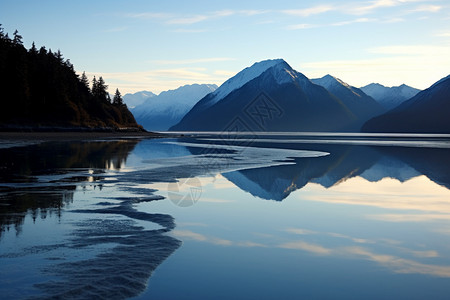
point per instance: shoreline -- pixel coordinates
(72, 135)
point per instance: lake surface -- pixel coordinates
(227, 216)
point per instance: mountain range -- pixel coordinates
(389, 97)
(426, 112)
(270, 96)
(133, 100)
(359, 103)
(158, 113)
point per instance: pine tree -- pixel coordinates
(101, 89)
(33, 49)
(117, 100)
(84, 80)
(94, 87)
(17, 38)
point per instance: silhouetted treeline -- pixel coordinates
(41, 88)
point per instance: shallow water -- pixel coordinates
(259, 216)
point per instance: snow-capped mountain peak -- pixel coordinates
(243, 77)
(332, 83)
(329, 81)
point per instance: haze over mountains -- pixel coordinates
(353, 98)
(133, 100)
(427, 112)
(271, 96)
(160, 112)
(389, 97)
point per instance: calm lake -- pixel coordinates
(227, 216)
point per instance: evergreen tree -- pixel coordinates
(33, 49)
(94, 88)
(17, 38)
(84, 80)
(59, 57)
(101, 89)
(42, 88)
(117, 100)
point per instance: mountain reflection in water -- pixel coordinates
(105, 183)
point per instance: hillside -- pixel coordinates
(40, 89)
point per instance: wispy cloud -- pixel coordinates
(410, 217)
(189, 20)
(393, 20)
(192, 61)
(305, 246)
(443, 34)
(158, 80)
(300, 26)
(359, 20)
(306, 12)
(212, 15)
(427, 8)
(300, 231)
(401, 265)
(371, 6)
(149, 15)
(412, 50)
(416, 65)
(189, 30)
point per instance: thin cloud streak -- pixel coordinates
(427, 8)
(306, 12)
(300, 26)
(213, 15)
(359, 20)
(192, 61)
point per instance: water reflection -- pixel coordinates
(120, 250)
(41, 179)
(343, 163)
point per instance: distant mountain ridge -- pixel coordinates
(135, 99)
(389, 97)
(427, 112)
(360, 104)
(160, 112)
(269, 96)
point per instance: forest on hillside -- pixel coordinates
(40, 89)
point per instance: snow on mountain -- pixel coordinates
(391, 168)
(162, 111)
(360, 104)
(133, 100)
(289, 102)
(330, 82)
(426, 112)
(389, 97)
(242, 78)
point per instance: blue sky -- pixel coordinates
(160, 45)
